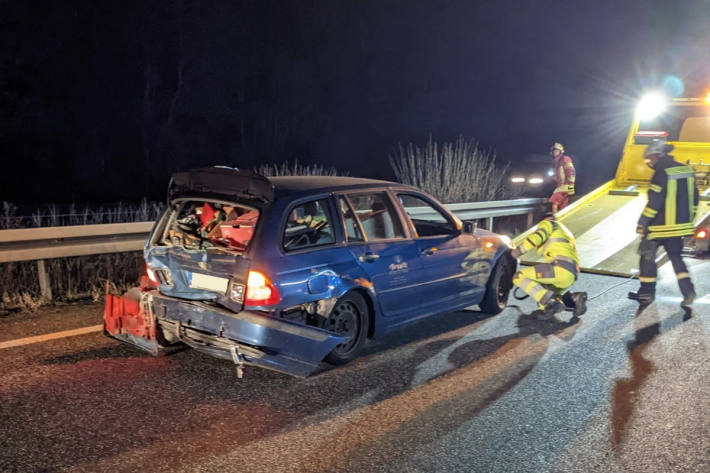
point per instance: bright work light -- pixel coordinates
(650, 106)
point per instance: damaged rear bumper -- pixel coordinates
(245, 337)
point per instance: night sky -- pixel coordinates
(101, 101)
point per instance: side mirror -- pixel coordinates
(470, 227)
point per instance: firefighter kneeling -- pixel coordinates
(545, 282)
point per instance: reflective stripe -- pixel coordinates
(671, 192)
(656, 188)
(571, 267)
(553, 240)
(645, 279)
(649, 212)
(569, 165)
(541, 294)
(566, 259)
(682, 275)
(679, 233)
(525, 284)
(679, 172)
(691, 195)
(537, 290)
(677, 226)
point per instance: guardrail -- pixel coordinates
(39, 244)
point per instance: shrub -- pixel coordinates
(81, 277)
(297, 169)
(453, 172)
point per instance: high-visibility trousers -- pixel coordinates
(544, 281)
(648, 268)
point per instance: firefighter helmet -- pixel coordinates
(658, 147)
(557, 146)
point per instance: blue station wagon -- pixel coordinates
(286, 272)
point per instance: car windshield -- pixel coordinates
(202, 225)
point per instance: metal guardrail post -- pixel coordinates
(45, 284)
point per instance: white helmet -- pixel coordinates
(558, 146)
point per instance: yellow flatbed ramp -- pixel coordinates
(604, 225)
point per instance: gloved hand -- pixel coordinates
(516, 253)
(570, 189)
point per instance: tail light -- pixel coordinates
(260, 290)
(701, 234)
(152, 276)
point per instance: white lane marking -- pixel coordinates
(50, 336)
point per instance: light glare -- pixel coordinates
(650, 106)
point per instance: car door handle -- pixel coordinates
(429, 251)
(369, 257)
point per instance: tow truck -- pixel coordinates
(604, 220)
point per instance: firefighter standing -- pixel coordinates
(544, 282)
(667, 218)
(564, 178)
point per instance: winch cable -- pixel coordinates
(525, 296)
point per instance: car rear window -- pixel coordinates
(201, 225)
(308, 225)
(377, 216)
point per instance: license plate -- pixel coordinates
(207, 282)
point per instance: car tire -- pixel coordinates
(350, 316)
(497, 289)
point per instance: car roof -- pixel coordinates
(288, 185)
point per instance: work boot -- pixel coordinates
(580, 303)
(551, 308)
(576, 302)
(641, 298)
(688, 300)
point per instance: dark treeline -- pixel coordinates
(100, 101)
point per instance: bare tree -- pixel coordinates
(453, 172)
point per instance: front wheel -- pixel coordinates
(350, 317)
(497, 289)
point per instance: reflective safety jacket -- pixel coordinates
(672, 201)
(564, 174)
(553, 241)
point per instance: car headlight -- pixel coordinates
(506, 241)
(535, 180)
(517, 180)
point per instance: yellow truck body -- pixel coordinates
(604, 220)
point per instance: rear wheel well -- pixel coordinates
(370, 310)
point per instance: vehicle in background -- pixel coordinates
(532, 176)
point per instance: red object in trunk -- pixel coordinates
(123, 316)
(207, 214)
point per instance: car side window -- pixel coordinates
(377, 216)
(427, 219)
(352, 229)
(307, 226)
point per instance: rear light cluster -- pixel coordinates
(159, 276)
(260, 290)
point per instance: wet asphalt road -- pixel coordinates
(461, 392)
